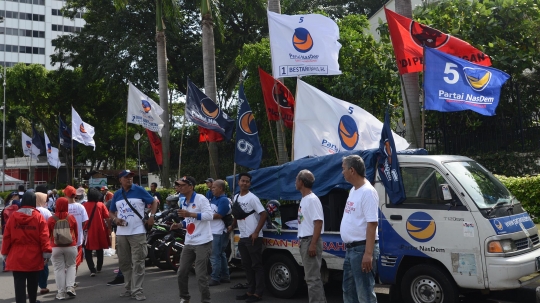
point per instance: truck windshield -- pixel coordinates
(485, 190)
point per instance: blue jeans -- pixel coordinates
(43, 276)
(358, 286)
(220, 266)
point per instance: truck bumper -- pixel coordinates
(512, 272)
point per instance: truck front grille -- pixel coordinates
(524, 242)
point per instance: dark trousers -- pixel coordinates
(90, 260)
(251, 254)
(25, 281)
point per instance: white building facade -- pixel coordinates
(29, 28)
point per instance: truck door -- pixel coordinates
(432, 223)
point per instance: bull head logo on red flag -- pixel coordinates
(277, 98)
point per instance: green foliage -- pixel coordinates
(510, 163)
(527, 191)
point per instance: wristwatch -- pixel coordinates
(152, 215)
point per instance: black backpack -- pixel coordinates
(237, 211)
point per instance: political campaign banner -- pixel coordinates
(38, 141)
(278, 99)
(248, 151)
(326, 125)
(206, 135)
(408, 37)
(142, 110)
(64, 134)
(29, 149)
(81, 131)
(453, 84)
(52, 152)
(201, 110)
(155, 141)
(303, 45)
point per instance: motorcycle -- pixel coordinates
(161, 228)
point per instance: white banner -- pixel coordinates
(81, 131)
(303, 45)
(52, 153)
(143, 111)
(29, 149)
(325, 125)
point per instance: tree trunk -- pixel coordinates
(275, 6)
(410, 92)
(210, 87)
(163, 95)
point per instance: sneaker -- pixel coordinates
(139, 296)
(126, 293)
(76, 284)
(61, 296)
(71, 292)
(93, 274)
(44, 291)
(182, 300)
(117, 281)
(213, 283)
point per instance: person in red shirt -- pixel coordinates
(64, 257)
(97, 231)
(26, 247)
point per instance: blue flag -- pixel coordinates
(202, 111)
(453, 84)
(248, 150)
(388, 164)
(64, 134)
(38, 141)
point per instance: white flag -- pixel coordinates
(303, 45)
(143, 111)
(326, 125)
(29, 149)
(81, 131)
(52, 153)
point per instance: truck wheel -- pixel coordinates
(428, 284)
(282, 276)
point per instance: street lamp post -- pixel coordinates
(137, 136)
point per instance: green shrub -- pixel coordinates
(527, 191)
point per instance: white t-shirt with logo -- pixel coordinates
(248, 203)
(310, 210)
(139, 198)
(79, 212)
(198, 229)
(362, 207)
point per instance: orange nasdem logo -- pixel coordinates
(146, 106)
(348, 132)
(209, 108)
(28, 144)
(478, 78)
(302, 40)
(247, 123)
(49, 148)
(81, 128)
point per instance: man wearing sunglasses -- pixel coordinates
(197, 214)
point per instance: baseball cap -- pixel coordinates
(70, 191)
(80, 192)
(104, 188)
(189, 180)
(124, 173)
(209, 180)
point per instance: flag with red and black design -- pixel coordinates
(277, 98)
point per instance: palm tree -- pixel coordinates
(164, 8)
(410, 92)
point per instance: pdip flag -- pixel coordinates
(303, 45)
(408, 38)
(202, 111)
(155, 141)
(453, 84)
(278, 99)
(64, 134)
(29, 149)
(248, 151)
(388, 164)
(52, 152)
(325, 125)
(143, 111)
(81, 131)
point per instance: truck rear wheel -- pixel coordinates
(282, 275)
(428, 284)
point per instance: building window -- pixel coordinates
(22, 16)
(22, 49)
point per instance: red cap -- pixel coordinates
(70, 191)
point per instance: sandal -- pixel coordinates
(240, 286)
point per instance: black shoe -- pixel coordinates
(243, 297)
(213, 283)
(117, 281)
(253, 299)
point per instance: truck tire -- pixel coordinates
(282, 275)
(426, 283)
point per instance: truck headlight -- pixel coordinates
(501, 246)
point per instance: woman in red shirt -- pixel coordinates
(26, 247)
(98, 233)
(63, 257)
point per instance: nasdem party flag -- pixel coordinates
(29, 149)
(453, 84)
(388, 164)
(278, 99)
(325, 125)
(248, 150)
(303, 45)
(64, 134)
(408, 38)
(143, 111)
(52, 152)
(81, 131)
(38, 140)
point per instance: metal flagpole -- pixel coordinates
(294, 112)
(72, 166)
(125, 149)
(423, 109)
(182, 136)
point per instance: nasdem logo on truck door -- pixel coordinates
(421, 227)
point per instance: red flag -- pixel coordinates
(155, 141)
(209, 135)
(408, 36)
(276, 94)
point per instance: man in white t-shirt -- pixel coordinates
(310, 228)
(251, 239)
(196, 210)
(359, 233)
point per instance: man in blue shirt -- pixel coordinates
(209, 195)
(221, 207)
(131, 232)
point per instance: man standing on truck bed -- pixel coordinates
(359, 233)
(310, 228)
(251, 239)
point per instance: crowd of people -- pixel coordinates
(39, 226)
